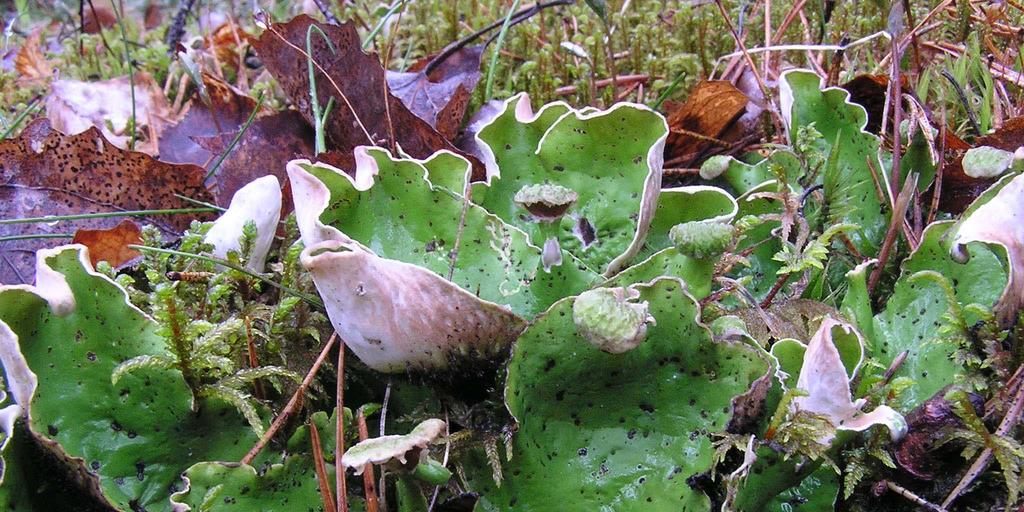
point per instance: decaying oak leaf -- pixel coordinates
(228, 42)
(999, 221)
(258, 202)
(30, 62)
(111, 245)
(207, 131)
(1008, 137)
(73, 107)
(712, 107)
(266, 147)
(959, 189)
(97, 15)
(44, 172)
(439, 97)
(869, 91)
(365, 112)
(226, 113)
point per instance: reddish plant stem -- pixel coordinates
(369, 481)
(779, 283)
(983, 460)
(321, 469)
(253, 360)
(339, 432)
(293, 403)
(899, 212)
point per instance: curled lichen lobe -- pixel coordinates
(607, 319)
(547, 202)
(701, 240)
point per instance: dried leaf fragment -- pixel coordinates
(44, 172)
(365, 112)
(111, 245)
(712, 107)
(74, 106)
(30, 62)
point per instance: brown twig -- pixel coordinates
(254, 362)
(933, 209)
(384, 85)
(899, 211)
(911, 497)
(983, 460)
(518, 17)
(321, 469)
(895, 101)
(753, 67)
(293, 403)
(339, 433)
(779, 283)
(99, 27)
(369, 482)
(326, 11)
(622, 80)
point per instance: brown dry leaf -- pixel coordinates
(265, 148)
(111, 245)
(1008, 137)
(228, 43)
(153, 17)
(360, 78)
(30, 62)
(73, 107)
(712, 107)
(958, 189)
(44, 172)
(226, 113)
(98, 14)
(441, 97)
(869, 91)
(796, 318)
(920, 452)
(270, 142)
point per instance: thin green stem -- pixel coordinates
(238, 137)
(131, 72)
(489, 88)
(314, 101)
(668, 91)
(200, 203)
(17, 120)
(103, 215)
(13, 238)
(380, 24)
(218, 261)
